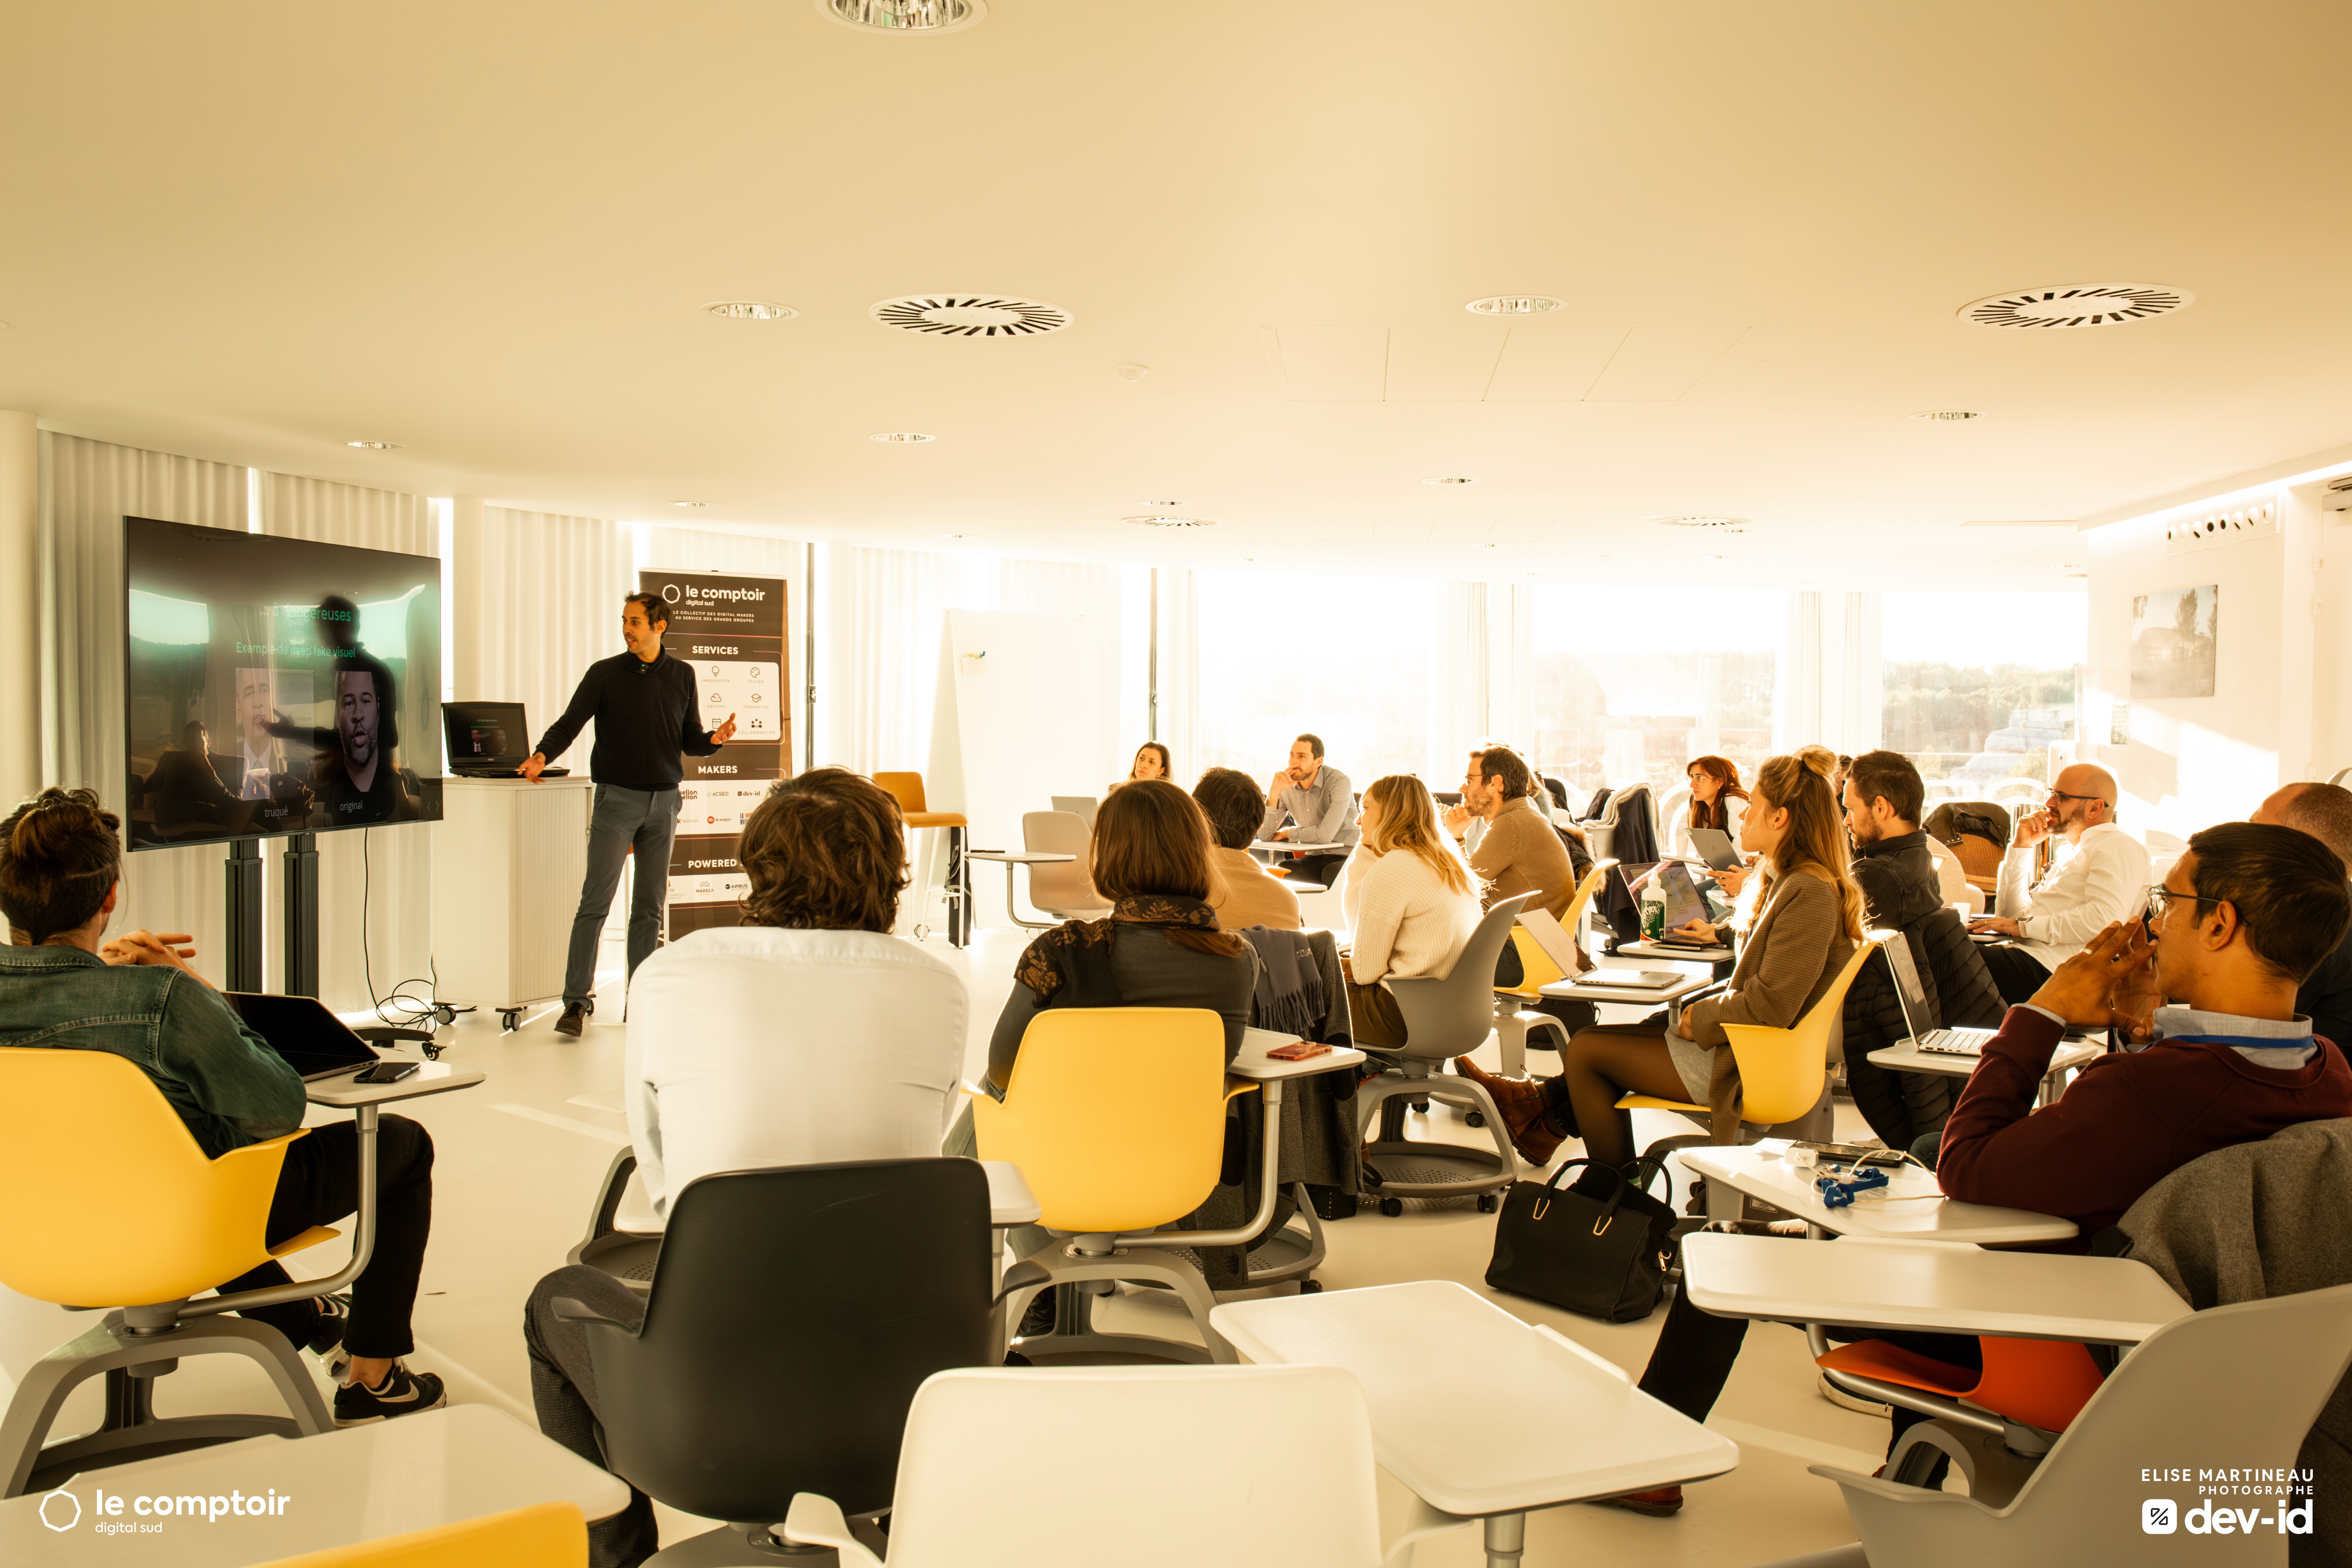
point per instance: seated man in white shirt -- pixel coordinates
(807, 1034)
(2103, 878)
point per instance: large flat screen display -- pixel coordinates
(276, 686)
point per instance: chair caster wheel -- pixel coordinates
(1393, 1207)
(508, 1017)
(433, 1053)
(1488, 1202)
(1310, 1287)
(1477, 1118)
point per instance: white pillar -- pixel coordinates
(20, 608)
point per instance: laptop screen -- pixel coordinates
(1684, 903)
(314, 1042)
(483, 734)
(1912, 996)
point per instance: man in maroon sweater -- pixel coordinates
(2241, 919)
(2238, 923)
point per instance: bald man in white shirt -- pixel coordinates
(2103, 879)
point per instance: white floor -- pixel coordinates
(519, 1159)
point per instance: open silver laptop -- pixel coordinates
(1913, 996)
(1081, 806)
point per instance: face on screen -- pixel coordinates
(356, 722)
(255, 695)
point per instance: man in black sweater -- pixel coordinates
(644, 705)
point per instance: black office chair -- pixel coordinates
(794, 1314)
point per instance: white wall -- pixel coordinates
(2194, 761)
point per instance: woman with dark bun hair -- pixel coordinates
(63, 986)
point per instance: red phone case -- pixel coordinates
(1297, 1051)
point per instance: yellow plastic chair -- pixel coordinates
(1116, 1118)
(906, 789)
(106, 1200)
(1515, 1026)
(1783, 1073)
(544, 1535)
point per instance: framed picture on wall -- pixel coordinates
(2174, 634)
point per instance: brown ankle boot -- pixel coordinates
(1521, 1101)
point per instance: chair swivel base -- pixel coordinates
(1423, 1168)
(131, 1430)
(1075, 1341)
(752, 1546)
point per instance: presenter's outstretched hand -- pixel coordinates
(725, 732)
(533, 766)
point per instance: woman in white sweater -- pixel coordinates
(1411, 904)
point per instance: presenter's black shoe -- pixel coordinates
(575, 1018)
(402, 1392)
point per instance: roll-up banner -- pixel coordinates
(733, 631)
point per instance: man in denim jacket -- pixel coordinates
(63, 986)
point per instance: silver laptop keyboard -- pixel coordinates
(1957, 1042)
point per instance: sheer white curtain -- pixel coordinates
(1180, 669)
(538, 601)
(375, 885)
(1830, 687)
(878, 674)
(87, 490)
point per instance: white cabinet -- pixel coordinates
(508, 861)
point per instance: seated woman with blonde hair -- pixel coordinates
(1808, 920)
(1410, 902)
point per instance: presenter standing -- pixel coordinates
(644, 705)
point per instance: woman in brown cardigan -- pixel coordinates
(1808, 920)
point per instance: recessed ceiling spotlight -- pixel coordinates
(1446, 482)
(1514, 305)
(750, 311)
(2077, 305)
(1161, 505)
(1132, 372)
(1720, 524)
(906, 435)
(951, 536)
(970, 315)
(375, 446)
(1943, 416)
(689, 503)
(904, 18)
(1160, 520)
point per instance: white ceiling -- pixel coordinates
(255, 231)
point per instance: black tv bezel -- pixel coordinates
(429, 792)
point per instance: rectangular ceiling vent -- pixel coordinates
(2210, 530)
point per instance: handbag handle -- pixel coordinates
(1644, 1170)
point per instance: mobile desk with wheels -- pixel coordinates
(1289, 1254)
(358, 1484)
(1482, 1416)
(1915, 1208)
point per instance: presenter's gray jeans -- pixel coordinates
(625, 819)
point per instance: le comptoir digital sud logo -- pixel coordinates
(115, 1513)
(2275, 1500)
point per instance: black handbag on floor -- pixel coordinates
(1600, 1246)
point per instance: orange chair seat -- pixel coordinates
(2038, 1382)
(934, 819)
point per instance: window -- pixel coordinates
(1970, 721)
(1351, 659)
(1630, 684)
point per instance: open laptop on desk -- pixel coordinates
(1913, 996)
(488, 741)
(1685, 903)
(1081, 806)
(314, 1042)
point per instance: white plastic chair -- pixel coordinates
(2228, 1388)
(1063, 891)
(1244, 1466)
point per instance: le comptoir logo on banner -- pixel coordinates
(115, 1513)
(2267, 1500)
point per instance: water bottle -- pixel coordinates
(1653, 910)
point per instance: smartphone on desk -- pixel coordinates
(386, 1071)
(1297, 1051)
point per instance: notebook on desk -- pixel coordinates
(1913, 997)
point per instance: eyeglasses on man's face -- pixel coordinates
(2061, 795)
(2161, 898)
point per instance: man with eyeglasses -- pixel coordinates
(2099, 882)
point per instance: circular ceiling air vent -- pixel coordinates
(1719, 524)
(1156, 519)
(1514, 305)
(971, 316)
(904, 17)
(2077, 305)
